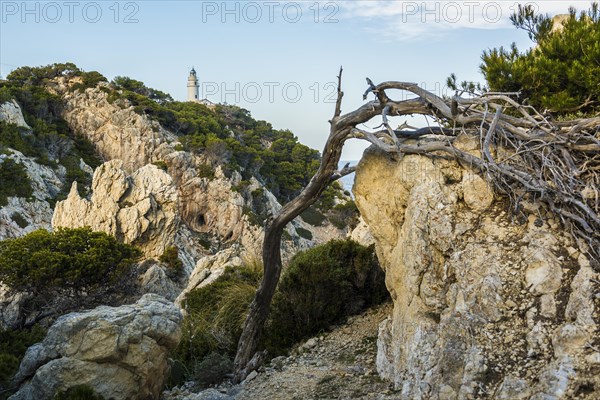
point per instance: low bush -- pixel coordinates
(77, 259)
(79, 392)
(161, 164)
(19, 220)
(170, 258)
(304, 233)
(89, 80)
(215, 316)
(313, 216)
(212, 369)
(66, 270)
(321, 287)
(344, 215)
(15, 182)
(205, 171)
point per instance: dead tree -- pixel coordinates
(557, 163)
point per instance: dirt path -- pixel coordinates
(337, 365)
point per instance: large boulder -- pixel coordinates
(487, 303)
(121, 353)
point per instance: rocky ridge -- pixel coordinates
(207, 214)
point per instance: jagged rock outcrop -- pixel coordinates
(140, 209)
(11, 113)
(485, 305)
(207, 205)
(116, 130)
(121, 353)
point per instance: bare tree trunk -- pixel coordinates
(543, 174)
(271, 253)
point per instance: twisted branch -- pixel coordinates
(555, 163)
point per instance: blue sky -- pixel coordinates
(278, 59)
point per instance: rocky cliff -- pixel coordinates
(487, 303)
(153, 209)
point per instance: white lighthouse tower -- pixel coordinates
(192, 86)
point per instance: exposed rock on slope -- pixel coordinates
(212, 207)
(121, 353)
(20, 215)
(11, 113)
(35, 212)
(115, 131)
(141, 209)
(484, 306)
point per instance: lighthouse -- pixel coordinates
(192, 86)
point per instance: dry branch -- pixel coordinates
(554, 163)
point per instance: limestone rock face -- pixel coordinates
(484, 306)
(140, 209)
(11, 113)
(121, 353)
(116, 130)
(35, 212)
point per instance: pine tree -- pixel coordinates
(561, 73)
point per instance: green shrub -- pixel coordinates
(253, 218)
(69, 259)
(15, 182)
(344, 215)
(74, 173)
(205, 171)
(89, 80)
(79, 392)
(212, 369)
(312, 216)
(560, 73)
(13, 344)
(304, 233)
(170, 258)
(19, 220)
(327, 199)
(320, 287)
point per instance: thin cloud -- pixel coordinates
(414, 20)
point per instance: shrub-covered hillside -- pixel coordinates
(50, 140)
(222, 135)
(228, 136)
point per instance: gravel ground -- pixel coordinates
(336, 365)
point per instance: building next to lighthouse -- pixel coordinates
(193, 90)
